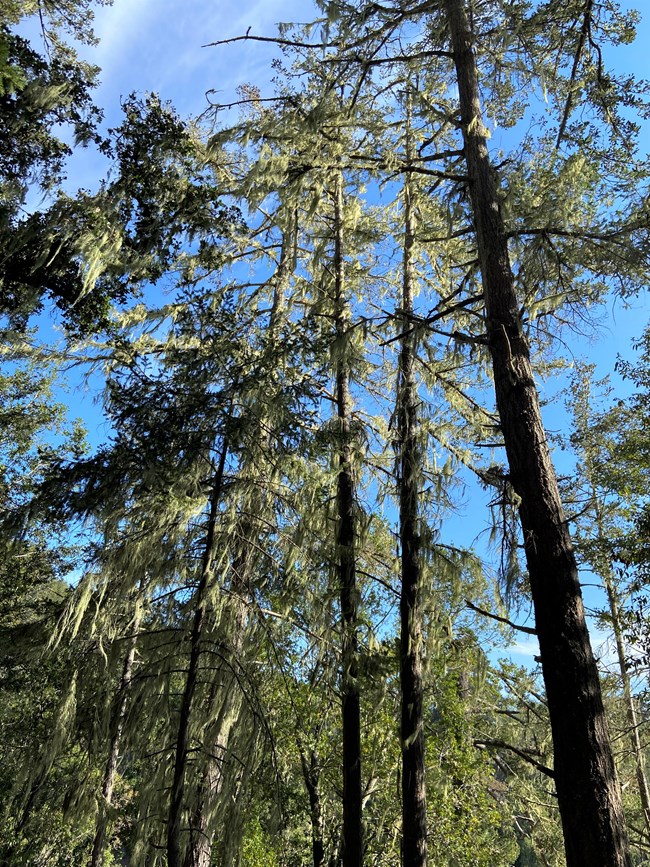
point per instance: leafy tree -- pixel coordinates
(600, 526)
(33, 594)
(40, 93)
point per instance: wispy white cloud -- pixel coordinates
(222, 68)
(117, 27)
(157, 45)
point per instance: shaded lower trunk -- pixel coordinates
(177, 802)
(588, 792)
(311, 776)
(116, 728)
(351, 711)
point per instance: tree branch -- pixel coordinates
(275, 40)
(525, 754)
(576, 60)
(527, 629)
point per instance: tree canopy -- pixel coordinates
(242, 629)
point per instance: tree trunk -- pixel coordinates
(588, 792)
(202, 829)
(174, 846)
(226, 698)
(414, 803)
(613, 599)
(116, 728)
(311, 776)
(346, 566)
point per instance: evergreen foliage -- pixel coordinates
(268, 632)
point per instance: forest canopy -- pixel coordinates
(261, 621)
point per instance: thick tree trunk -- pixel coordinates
(116, 728)
(346, 567)
(414, 803)
(588, 792)
(174, 824)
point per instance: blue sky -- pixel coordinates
(156, 45)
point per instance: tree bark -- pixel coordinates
(588, 792)
(346, 566)
(174, 827)
(311, 776)
(117, 726)
(414, 803)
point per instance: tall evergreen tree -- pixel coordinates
(414, 809)
(346, 541)
(601, 527)
(588, 791)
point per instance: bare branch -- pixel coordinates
(527, 629)
(275, 40)
(525, 754)
(584, 32)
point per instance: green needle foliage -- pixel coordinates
(298, 344)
